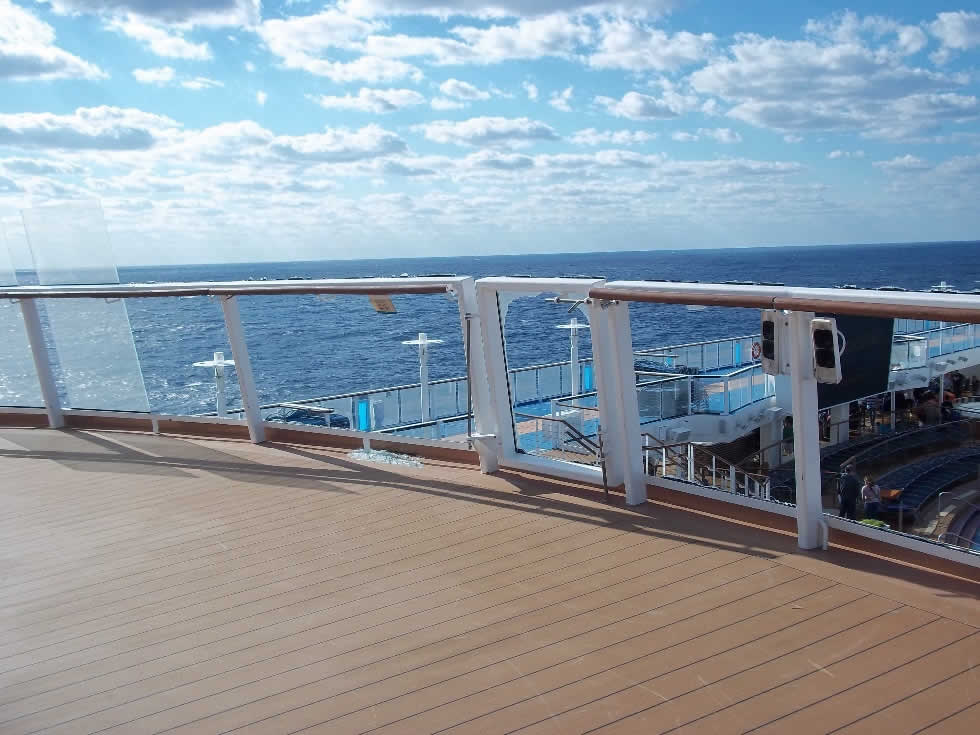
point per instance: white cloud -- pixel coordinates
(261, 98)
(159, 75)
(161, 41)
(560, 100)
(27, 50)
(636, 106)
(498, 161)
(627, 45)
(959, 31)
(95, 128)
(720, 135)
(531, 89)
(682, 136)
(189, 12)
(504, 8)
(593, 137)
(249, 66)
(339, 145)
(199, 83)
(557, 35)
(845, 154)
(302, 42)
(442, 103)
(372, 100)
(789, 138)
(488, 131)
(845, 78)
(462, 90)
(908, 162)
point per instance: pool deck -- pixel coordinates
(164, 584)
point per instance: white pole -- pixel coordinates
(424, 374)
(219, 380)
(42, 365)
(573, 350)
(243, 368)
(806, 433)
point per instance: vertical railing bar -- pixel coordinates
(42, 363)
(243, 368)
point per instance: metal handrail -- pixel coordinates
(695, 344)
(942, 539)
(592, 447)
(575, 432)
(902, 435)
(939, 500)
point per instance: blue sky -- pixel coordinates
(214, 130)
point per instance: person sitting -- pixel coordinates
(871, 495)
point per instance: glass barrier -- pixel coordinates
(96, 358)
(302, 344)
(171, 334)
(18, 380)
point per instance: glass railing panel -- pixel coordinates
(739, 391)
(96, 361)
(550, 383)
(710, 352)
(650, 400)
(588, 376)
(708, 394)
(174, 384)
(760, 384)
(442, 400)
(18, 380)
(525, 386)
(726, 353)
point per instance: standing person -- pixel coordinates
(850, 491)
(788, 435)
(871, 495)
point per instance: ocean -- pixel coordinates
(303, 347)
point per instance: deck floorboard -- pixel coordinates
(193, 586)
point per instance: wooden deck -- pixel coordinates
(156, 584)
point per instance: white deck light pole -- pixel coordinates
(218, 364)
(573, 328)
(423, 343)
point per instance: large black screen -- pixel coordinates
(865, 362)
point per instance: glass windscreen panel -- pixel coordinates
(96, 360)
(18, 380)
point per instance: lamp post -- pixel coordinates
(218, 364)
(423, 343)
(573, 328)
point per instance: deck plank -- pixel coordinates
(201, 587)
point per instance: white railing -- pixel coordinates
(616, 380)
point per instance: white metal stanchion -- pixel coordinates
(573, 327)
(218, 365)
(423, 343)
(806, 433)
(39, 351)
(243, 368)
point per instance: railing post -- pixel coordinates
(806, 433)
(618, 404)
(42, 363)
(479, 377)
(713, 482)
(732, 486)
(727, 402)
(690, 462)
(243, 368)
(690, 395)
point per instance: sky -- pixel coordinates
(241, 130)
